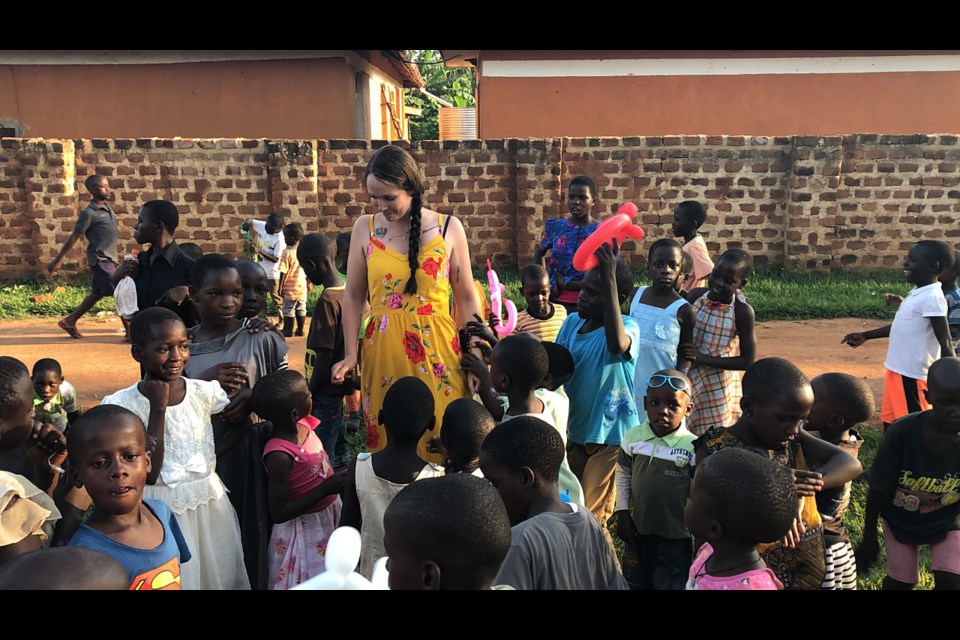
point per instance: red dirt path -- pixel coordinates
(100, 364)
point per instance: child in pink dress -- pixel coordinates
(738, 500)
(304, 491)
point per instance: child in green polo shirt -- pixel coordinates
(654, 467)
(54, 399)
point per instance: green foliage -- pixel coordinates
(776, 294)
(456, 86)
(15, 300)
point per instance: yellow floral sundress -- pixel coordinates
(409, 335)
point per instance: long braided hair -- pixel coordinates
(393, 165)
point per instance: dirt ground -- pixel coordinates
(100, 364)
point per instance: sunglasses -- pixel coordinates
(676, 383)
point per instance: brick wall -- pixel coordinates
(807, 202)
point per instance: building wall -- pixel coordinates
(562, 93)
(303, 98)
(806, 202)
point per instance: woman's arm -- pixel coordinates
(354, 297)
(461, 280)
(461, 273)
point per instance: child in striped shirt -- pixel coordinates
(541, 317)
(293, 282)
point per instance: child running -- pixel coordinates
(304, 490)
(738, 501)
(374, 479)
(840, 402)
(724, 343)
(108, 453)
(177, 413)
(915, 486)
(776, 400)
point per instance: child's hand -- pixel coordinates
(477, 329)
(239, 407)
(68, 493)
(688, 352)
(854, 339)
(607, 256)
(492, 321)
(892, 299)
(257, 324)
(797, 529)
(626, 527)
(866, 554)
(173, 297)
(47, 447)
(474, 365)
(336, 482)
(157, 392)
(807, 483)
(127, 269)
(232, 376)
(433, 444)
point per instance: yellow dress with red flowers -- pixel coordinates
(409, 335)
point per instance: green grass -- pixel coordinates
(774, 294)
(15, 300)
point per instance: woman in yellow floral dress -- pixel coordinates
(411, 331)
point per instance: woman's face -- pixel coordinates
(388, 199)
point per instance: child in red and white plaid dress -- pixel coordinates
(724, 343)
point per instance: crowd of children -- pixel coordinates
(224, 469)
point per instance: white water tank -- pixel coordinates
(458, 123)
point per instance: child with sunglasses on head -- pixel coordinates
(653, 484)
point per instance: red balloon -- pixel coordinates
(619, 226)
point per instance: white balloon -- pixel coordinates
(326, 581)
(381, 576)
(356, 582)
(343, 551)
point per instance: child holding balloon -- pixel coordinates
(604, 344)
(562, 237)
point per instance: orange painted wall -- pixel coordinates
(893, 103)
(252, 99)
